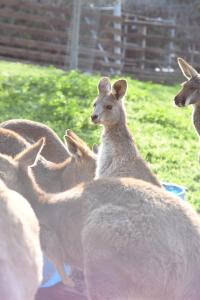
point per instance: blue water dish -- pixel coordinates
(175, 189)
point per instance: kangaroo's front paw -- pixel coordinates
(68, 281)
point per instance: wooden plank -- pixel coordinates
(21, 16)
(110, 65)
(37, 6)
(98, 53)
(33, 31)
(109, 30)
(31, 44)
(150, 36)
(26, 61)
(104, 16)
(149, 23)
(31, 55)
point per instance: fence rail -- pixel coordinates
(145, 48)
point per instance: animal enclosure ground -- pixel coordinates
(163, 133)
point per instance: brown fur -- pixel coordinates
(55, 177)
(118, 154)
(190, 92)
(133, 240)
(11, 143)
(54, 150)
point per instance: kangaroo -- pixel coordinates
(20, 255)
(54, 149)
(55, 177)
(190, 92)
(118, 154)
(132, 239)
(11, 143)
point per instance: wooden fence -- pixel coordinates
(143, 47)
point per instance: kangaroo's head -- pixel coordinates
(108, 106)
(190, 92)
(81, 165)
(12, 170)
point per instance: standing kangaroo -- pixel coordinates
(132, 239)
(118, 154)
(190, 92)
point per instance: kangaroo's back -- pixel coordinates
(54, 150)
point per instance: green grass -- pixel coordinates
(163, 133)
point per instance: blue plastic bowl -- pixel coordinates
(50, 275)
(175, 189)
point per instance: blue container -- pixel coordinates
(50, 275)
(175, 189)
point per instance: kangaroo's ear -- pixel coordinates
(74, 136)
(104, 86)
(187, 70)
(29, 156)
(75, 148)
(95, 148)
(119, 88)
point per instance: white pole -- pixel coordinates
(117, 37)
(75, 30)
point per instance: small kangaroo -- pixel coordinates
(55, 177)
(20, 255)
(118, 154)
(190, 92)
(132, 239)
(54, 149)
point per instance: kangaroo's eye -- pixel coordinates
(94, 105)
(192, 88)
(109, 107)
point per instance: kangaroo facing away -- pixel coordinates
(190, 92)
(20, 255)
(54, 149)
(132, 239)
(118, 155)
(55, 177)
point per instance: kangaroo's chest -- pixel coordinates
(106, 159)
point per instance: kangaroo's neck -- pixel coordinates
(196, 117)
(117, 148)
(30, 190)
(119, 139)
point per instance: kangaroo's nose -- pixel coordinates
(94, 117)
(179, 101)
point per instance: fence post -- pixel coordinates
(171, 45)
(117, 37)
(143, 56)
(75, 30)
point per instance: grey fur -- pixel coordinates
(133, 240)
(20, 255)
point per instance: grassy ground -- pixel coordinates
(163, 133)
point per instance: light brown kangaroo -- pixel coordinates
(190, 92)
(11, 143)
(55, 177)
(20, 255)
(118, 154)
(133, 239)
(54, 149)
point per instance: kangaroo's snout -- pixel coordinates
(94, 118)
(179, 101)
